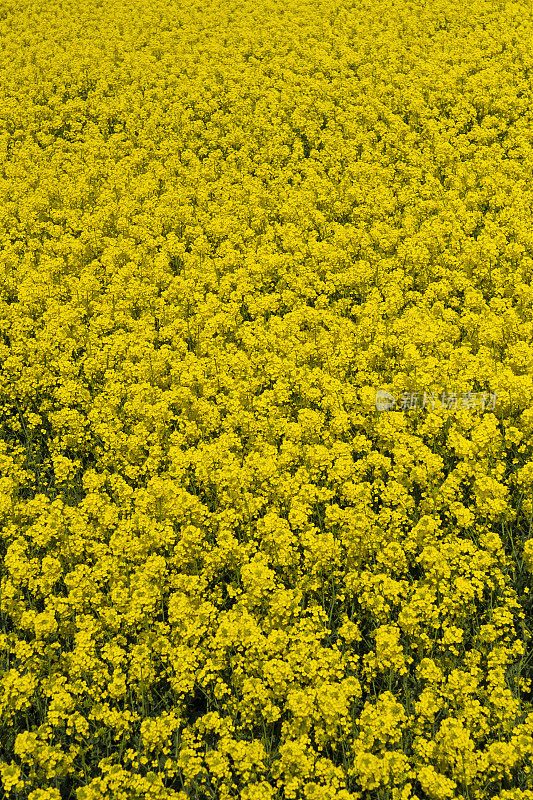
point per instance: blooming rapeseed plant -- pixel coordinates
(224, 572)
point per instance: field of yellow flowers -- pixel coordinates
(227, 573)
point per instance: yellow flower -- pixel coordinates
(11, 775)
(436, 786)
(45, 794)
(389, 653)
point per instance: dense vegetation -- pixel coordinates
(223, 228)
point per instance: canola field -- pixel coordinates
(266, 400)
